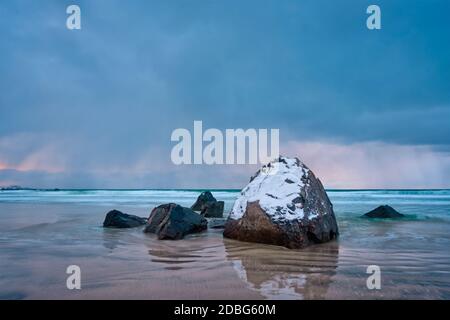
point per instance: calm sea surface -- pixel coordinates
(43, 232)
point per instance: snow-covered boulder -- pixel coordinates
(284, 204)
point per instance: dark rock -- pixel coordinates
(202, 199)
(213, 209)
(294, 213)
(216, 223)
(117, 219)
(384, 212)
(172, 222)
(208, 205)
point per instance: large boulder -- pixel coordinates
(384, 212)
(172, 222)
(117, 219)
(284, 204)
(208, 206)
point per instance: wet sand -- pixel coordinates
(39, 241)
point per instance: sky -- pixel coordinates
(95, 108)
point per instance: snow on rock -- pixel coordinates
(283, 204)
(277, 188)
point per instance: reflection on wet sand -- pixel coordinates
(198, 252)
(280, 273)
(195, 268)
(111, 238)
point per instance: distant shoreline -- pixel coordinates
(204, 189)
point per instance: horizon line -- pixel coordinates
(14, 188)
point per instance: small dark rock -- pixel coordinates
(203, 199)
(216, 223)
(384, 212)
(208, 205)
(213, 209)
(172, 222)
(117, 219)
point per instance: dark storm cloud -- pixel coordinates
(112, 93)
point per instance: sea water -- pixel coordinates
(42, 232)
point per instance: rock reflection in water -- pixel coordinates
(196, 252)
(280, 273)
(111, 238)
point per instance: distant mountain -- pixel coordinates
(8, 188)
(12, 188)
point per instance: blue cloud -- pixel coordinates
(138, 70)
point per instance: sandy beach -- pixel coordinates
(40, 238)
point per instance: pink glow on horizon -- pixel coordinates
(373, 165)
(38, 161)
(359, 165)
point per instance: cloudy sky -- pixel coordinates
(95, 108)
